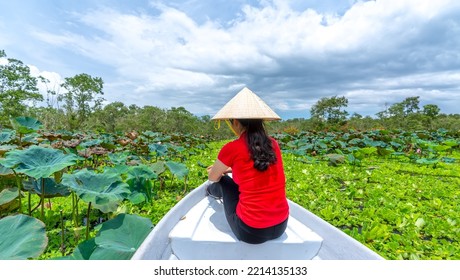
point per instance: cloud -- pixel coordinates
(372, 52)
(49, 87)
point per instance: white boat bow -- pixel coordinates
(196, 228)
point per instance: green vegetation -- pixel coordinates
(396, 192)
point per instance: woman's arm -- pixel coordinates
(216, 171)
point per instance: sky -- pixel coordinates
(198, 54)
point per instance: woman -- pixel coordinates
(254, 197)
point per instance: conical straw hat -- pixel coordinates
(246, 105)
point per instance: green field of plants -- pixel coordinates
(79, 195)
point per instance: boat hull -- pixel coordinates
(195, 228)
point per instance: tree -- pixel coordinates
(17, 88)
(431, 110)
(82, 98)
(180, 120)
(329, 110)
(110, 117)
(407, 107)
(411, 105)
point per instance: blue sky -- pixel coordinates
(199, 53)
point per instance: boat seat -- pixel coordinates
(204, 234)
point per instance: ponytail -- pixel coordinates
(260, 145)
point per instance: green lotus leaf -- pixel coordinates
(21, 237)
(158, 167)
(90, 143)
(31, 138)
(38, 162)
(100, 189)
(137, 197)
(427, 161)
(82, 252)
(6, 136)
(6, 148)
(158, 149)
(8, 200)
(52, 189)
(118, 158)
(448, 160)
(150, 134)
(116, 239)
(8, 195)
(179, 170)
(140, 184)
(24, 125)
(120, 169)
(107, 207)
(5, 171)
(141, 171)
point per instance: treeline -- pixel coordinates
(77, 104)
(116, 117)
(330, 113)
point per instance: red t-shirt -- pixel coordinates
(262, 200)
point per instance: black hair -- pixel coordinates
(259, 143)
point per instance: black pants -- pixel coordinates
(230, 196)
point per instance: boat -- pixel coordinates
(196, 229)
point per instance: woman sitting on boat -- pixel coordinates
(254, 197)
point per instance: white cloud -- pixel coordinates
(51, 83)
(374, 52)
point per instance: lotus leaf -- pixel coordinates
(90, 143)
(116, 239)
(150, 134)
(21, 237)
(448, 160)
(6, 148)
(141, 171)
(158, 167)
(159, 149)
(52, 189)
(7, 199)
(24, 125)
(427, 161)
(6, 136)
(177, 169)
(5, 171)
(139, 181)
(38, 162)
(31, 138)
(100, 189)
(82, 252)
(117, 169)
(118, 158)
(7, 195)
